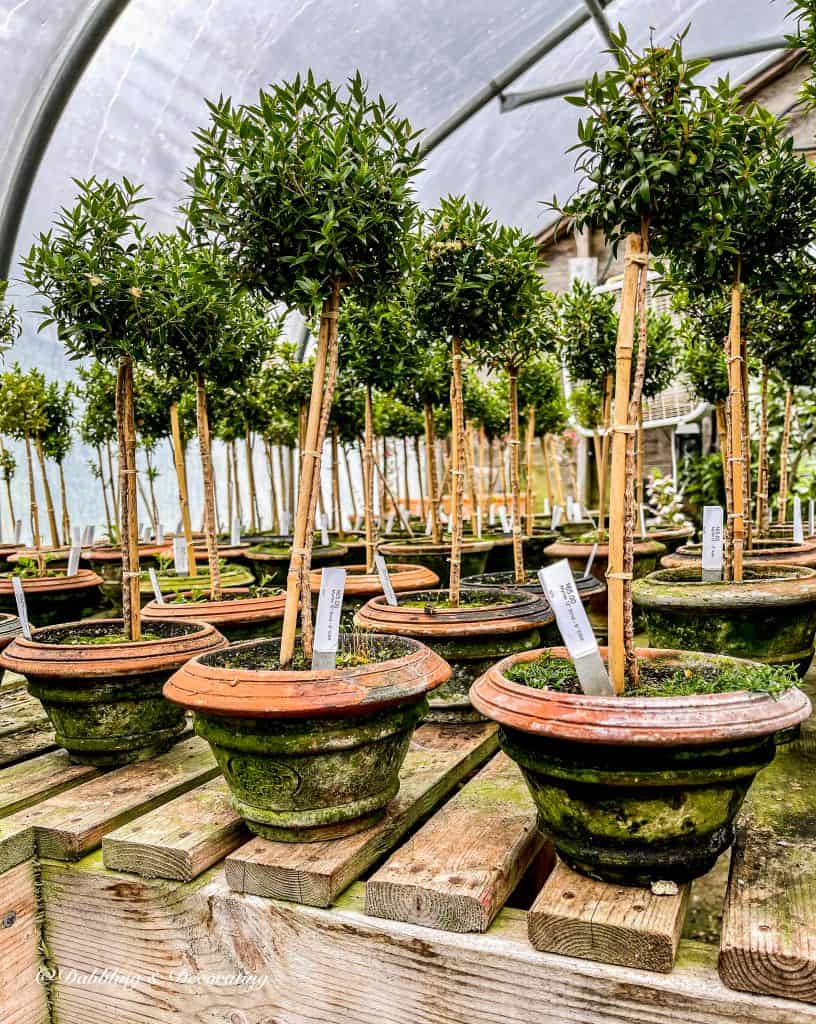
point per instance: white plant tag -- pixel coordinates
(642, 521)
(286, 520)
(154, 583)
(811, 517)
(557, 512)
(324, 532)
(798, 531)
(558, 584)
(428, 525)
(180, 556)
(22, 608)
(73, 561)
(179, 528)
(385, 580)
(443, 515)
(18, 531)
(570, 511)
(160, 533)
(327, 621)
(478, 522)
(76, 536)
(491, 514)
(547, 510)
(505, 522)
(88, 536)
(389, 523)
(590, 560)
(146, 533)
(235, 533)
(712, 543)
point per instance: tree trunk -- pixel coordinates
(230, 500)
(49, 500)
(456, 471)
(529, 500)
(34, 509)
(480, 477)
(639, 471)
(433, 484)
(181, 480)
(762, 508)
(782, 507)
(368, 481)
(515, 476)
(128, 513)
(108, 520)
(66, 519)
(736, 515)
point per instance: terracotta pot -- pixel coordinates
(770, 617)
(671, 536)
(588, 586)
(51, 599)
(106, 559)
(636, 789)
(232, 577)
(55, 558)
(238, 615)
(10, 627)
(764, 550)
(6, 550)
(500, 559)
(271, 563)
(436, 557)
(646, 555)
(309, 755)
(571, 530)
(105, 700)
(470, 638)
(360, 585)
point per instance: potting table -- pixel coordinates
(138, 895)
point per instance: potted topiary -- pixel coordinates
(328, 213)
(642, 782)
(100, 681)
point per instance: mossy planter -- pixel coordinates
(361, 586)
(436, 557)
(646, 554)
(238, 614)
(232, 577)
(633, 790)
(309, 755)
(270, 562)
(588, 587)
(764, 549)
(105, 699)
(489, 624)
(769, 617)
(54, 598)
(10, 627)
(672, 536)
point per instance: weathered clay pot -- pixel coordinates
(571, 530)
(588, 586)
(647, 553)
(6, 551)
(106, 559)
(51, 599)
(10, 627)
(672, 537)
(360, 585)
(105, 700)
(238, 614)
(770, 617)
(436, 557)
(500, 559)
(636, 789)
(470, 638)
(55, 558)
(309, 755)
(764, 550)
(270, 563)
(232, 576)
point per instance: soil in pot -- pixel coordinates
(646, 786)
(103, 694)
(770, 617)
(588, 587)
(170, 582)
(489, 624)
(245, 613)
(436, 557)
(310, 755)
(54, 597)
(270, 562)
(647, 554)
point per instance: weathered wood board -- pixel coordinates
(22, 993)
(30, 782)
(19, 711)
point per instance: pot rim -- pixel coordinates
(404, 576)
(35, 659)
(243, 606)
(680, 721)
(272, 693)
(565, 548)
(424, 546)
(809, 544)
(83, 579)
(257, 555)
(798, 587)
(113, 553)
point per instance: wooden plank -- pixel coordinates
(19, 711)
(768, 941)
(201, 953)
(32, 781)
(70, 824)
(457, 871)
(22, 994)
(179, 840)
(439, 758)
(580, 917)
(21, 746)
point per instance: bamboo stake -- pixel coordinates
(529, 503)
(302, 540)
(368, 481)
(557, 471)
(491, 471)
(253, 494)
(782, 506)
(49, 500)
(66, 519)
(721, 412)
(616, 577)
(108, 520)
(418, 459)
(734, 423)
(128, 512)
(430, 464)
(456, 471)
(34, 510)
(762, 508)
(515, 482)
(181, 480)
(381, 457)
(205, 448)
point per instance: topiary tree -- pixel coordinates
(10, 324)
(22, 416)
(90, 270)
(58, 438)
(330, 208)
(8, 467)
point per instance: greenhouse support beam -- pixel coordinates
(596, 9)
(573, 21)
(513, 100)
(46, 108)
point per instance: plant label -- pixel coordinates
(76, 535)
(385, 580)
(557, 513)
(428, 525)
(180, 556)
(712, 543)
(327, 621)
(235, 533)
(154, 583)
(88, 536)
(547, 509)
(18, 531)
(160, 534)
(505, 522)
(558, 584)
(179, 528)
(73, 560)
(491, 514)
(642, 521)
(324, 532)
(570, 513)
(22, 608)
(590, 560)
(811, 517)
(478, 522)
(443, 515)
(146, 533)
(389, 523)
(286, 519)
(798, 531)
